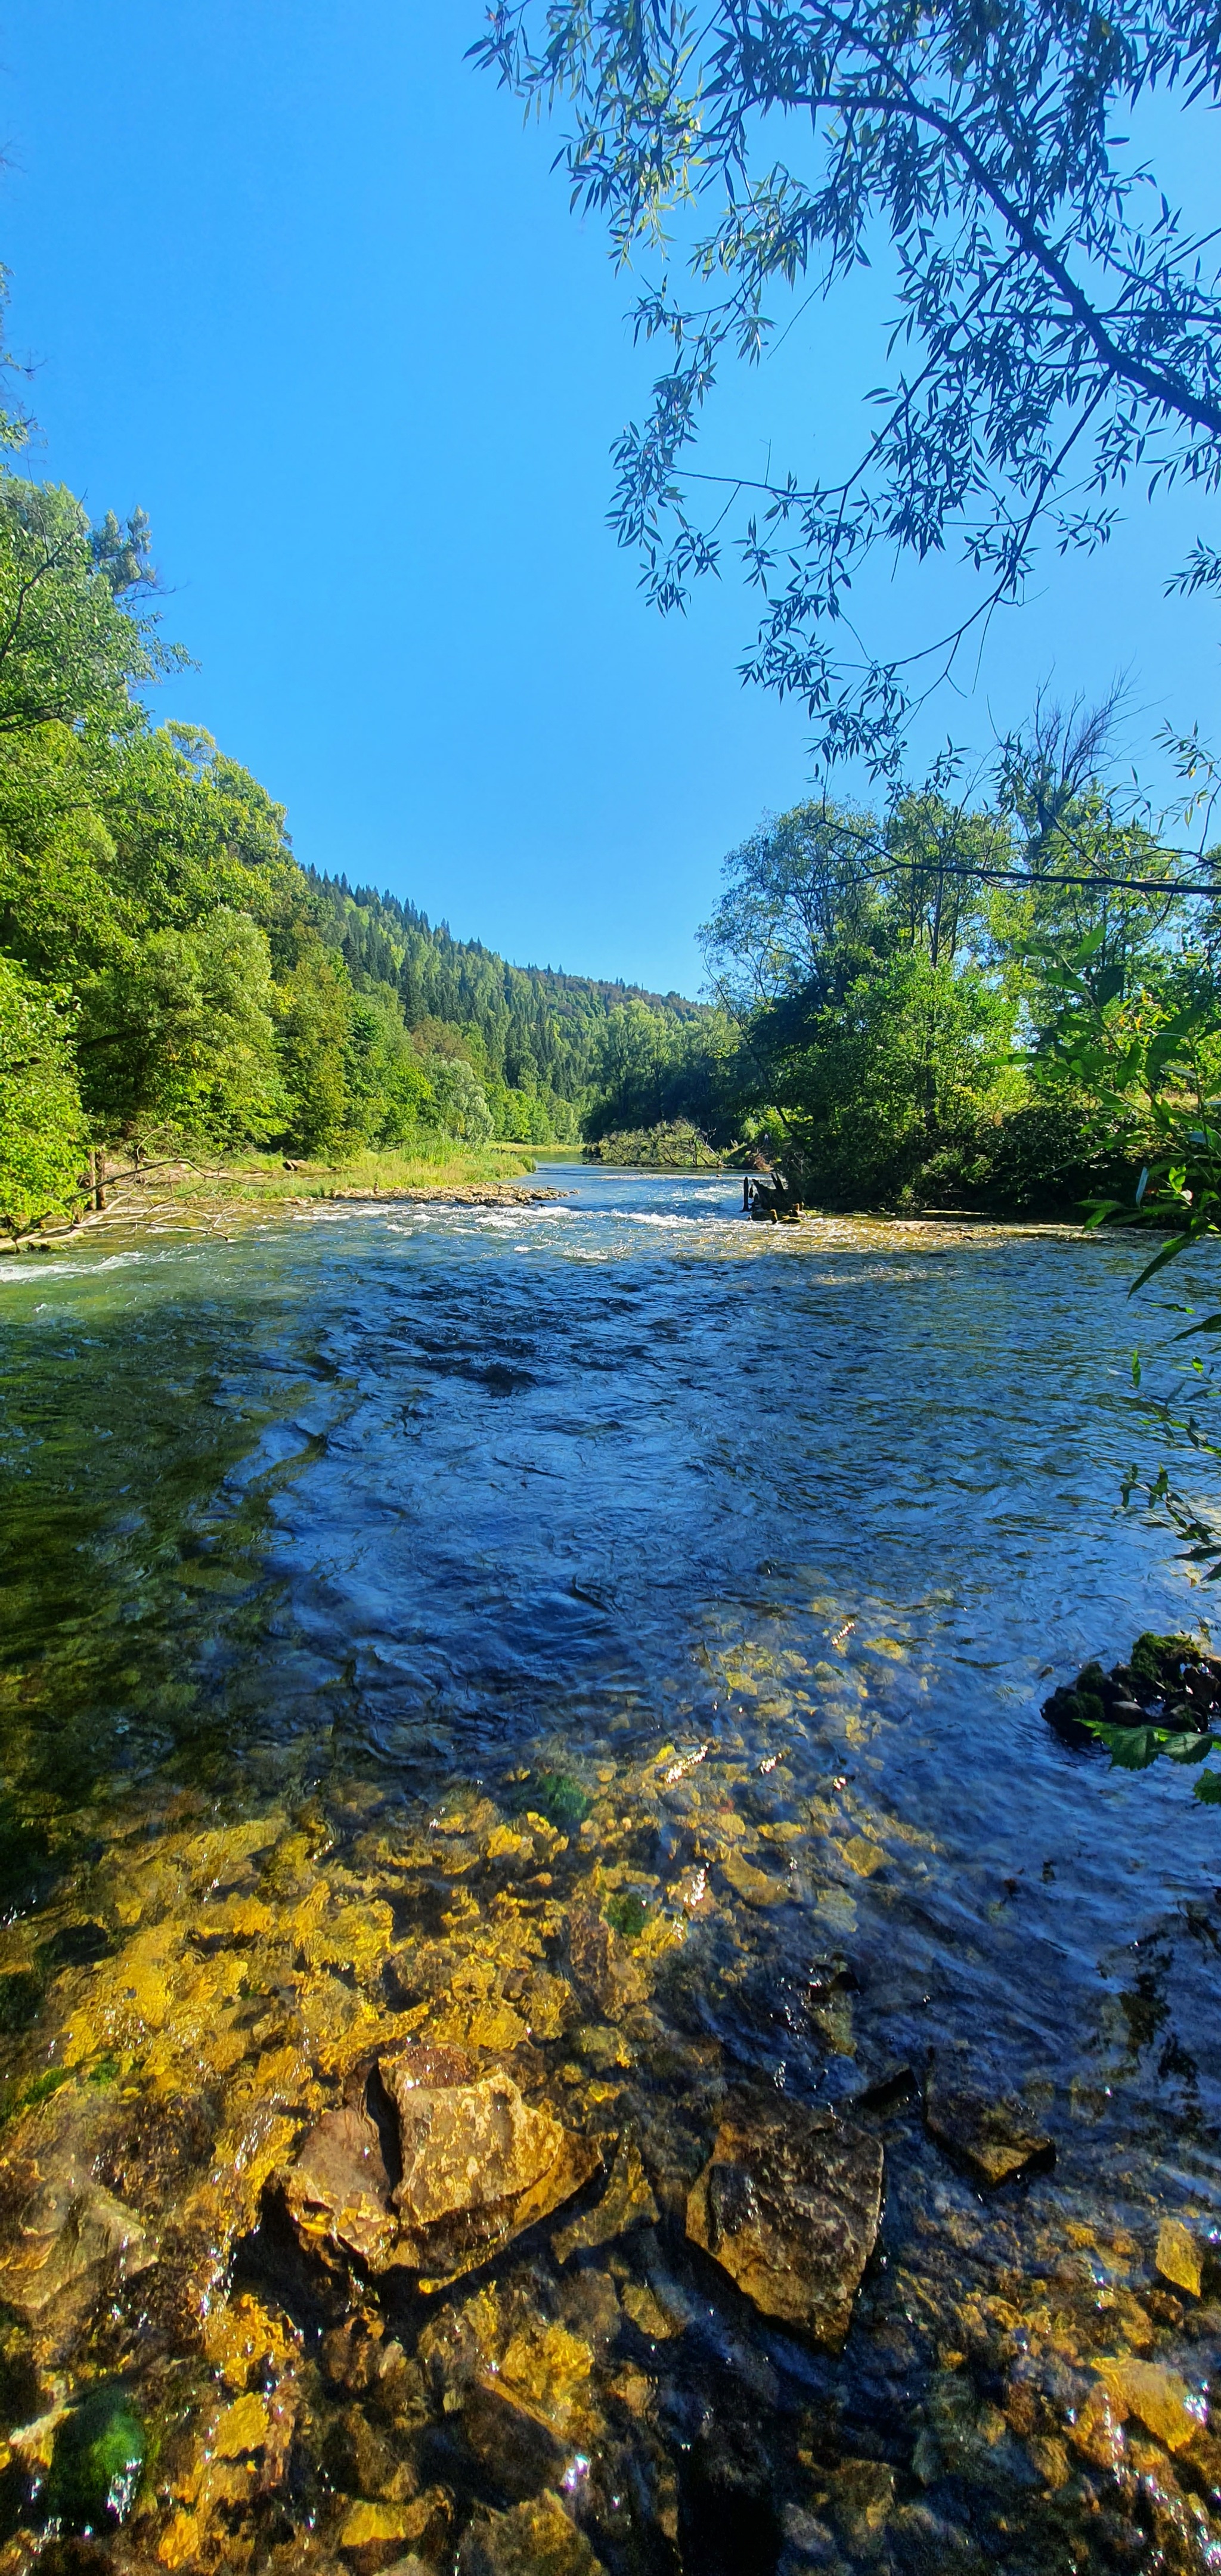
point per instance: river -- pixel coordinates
(383, 1583)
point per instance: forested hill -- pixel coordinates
(528, 1027)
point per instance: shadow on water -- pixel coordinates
(605, 1641)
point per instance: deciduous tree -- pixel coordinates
(1056, 325)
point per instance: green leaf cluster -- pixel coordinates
(1054, 316)
(924, 1007)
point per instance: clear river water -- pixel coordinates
(388, 1589)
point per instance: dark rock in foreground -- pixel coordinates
(992, 2137)
(789, 2206)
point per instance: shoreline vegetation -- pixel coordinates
(888, 988)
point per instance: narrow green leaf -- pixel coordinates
(1169, 1252)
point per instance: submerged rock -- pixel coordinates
(479, 2165)
(789, 2206)
(626, 2202)
(756, 1886)
(1158, 2398)
(966, 2436)
(602, 1963)
(650, 2315)
(378, 2535)
(338, 2192)
(535, 2539)
(517, 2382)
(1178, 2257)
(514, 2445)
(465, 2144)
(67, 2238)
(861, 2496)
(991, 2136)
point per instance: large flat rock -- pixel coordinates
(478, 2166)
(789, 2205)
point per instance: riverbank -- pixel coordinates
(232, 1190)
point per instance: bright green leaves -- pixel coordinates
(70, 652)
(181, 1039)
(42, 1130)
(862, 962)
(1047, 346)
(1133, 1748)
(652, 1066)
(461, 1105)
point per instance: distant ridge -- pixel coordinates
(536, 1026)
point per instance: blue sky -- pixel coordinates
(296, 280)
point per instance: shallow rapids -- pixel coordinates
(605, 1641)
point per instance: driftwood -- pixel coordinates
(767, 1198)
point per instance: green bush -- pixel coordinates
(42, 1127)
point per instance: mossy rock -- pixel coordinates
(1071, 1713)
(99, 2454)
(557, 1796)
(1168, 1688)
(627, 1914)
(1088, 1695)
(1158, 1662)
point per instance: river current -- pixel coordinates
(383, 1586)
